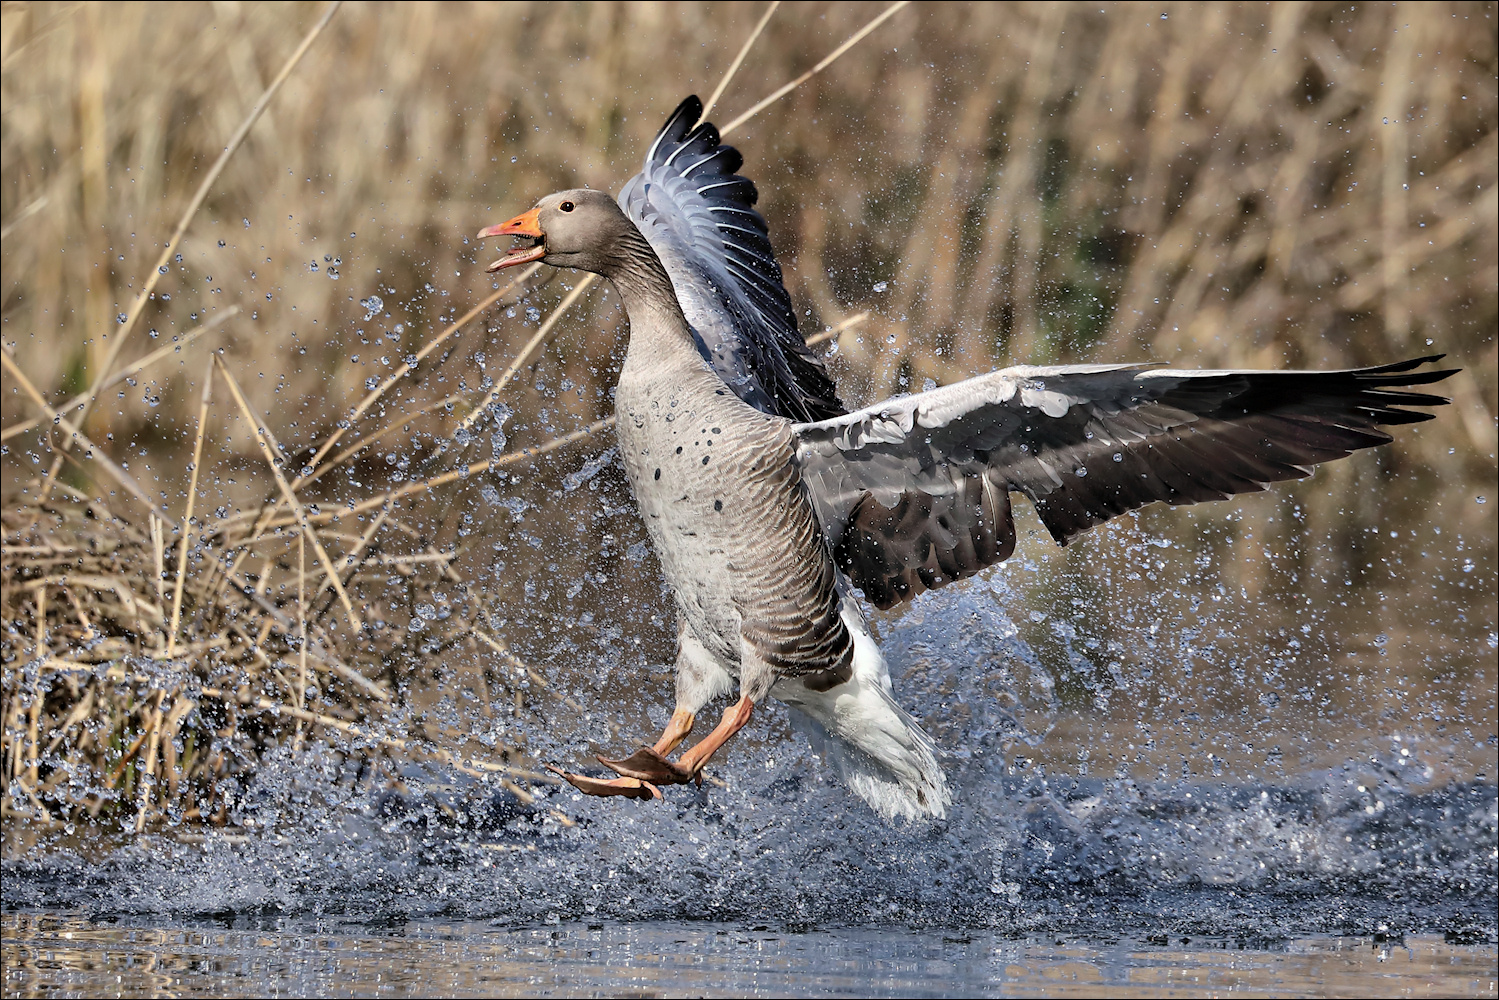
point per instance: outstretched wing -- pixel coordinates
(913, 492)
(699, 217)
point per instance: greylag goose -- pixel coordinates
(768, 506)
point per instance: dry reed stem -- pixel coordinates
(525, 352)
(413, 560)
(525, 454)
(89, 632)
(499, 646)
(82, 710)
(235, 140)
(302, 630)
(158, 549)
(354, 553)
(166, 350)
(93, 451)
(187, 514)
(265, 439)
(46, 28)
(33, 712)
(827, 61)
(180, 710)
(21, 216)
(146, 777)
(401, 370)
(739, 59)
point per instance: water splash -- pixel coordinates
(782, 842)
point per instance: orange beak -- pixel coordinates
(527, 225)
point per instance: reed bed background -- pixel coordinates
(344, 523)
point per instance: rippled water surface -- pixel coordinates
(58, 955)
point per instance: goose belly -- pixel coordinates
(718, 490)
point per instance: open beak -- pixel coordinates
(530, 243)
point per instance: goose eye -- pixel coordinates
(566, 206)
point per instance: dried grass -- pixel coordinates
(1224, 186)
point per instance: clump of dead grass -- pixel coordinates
(147, 662)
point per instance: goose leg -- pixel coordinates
(649, 764)
(735, 718)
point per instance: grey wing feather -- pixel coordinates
(913, 493)
(698, 216)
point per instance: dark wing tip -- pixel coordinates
(1381, 374)
(680, 121)
(1247, 430)
(707, 134)
(1376, 384)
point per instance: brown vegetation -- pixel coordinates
(1213, 186)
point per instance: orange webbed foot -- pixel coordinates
(629, 787)
(647, 765)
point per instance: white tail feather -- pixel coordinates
(879, 750)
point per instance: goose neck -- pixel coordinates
(647, 293)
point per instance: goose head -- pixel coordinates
(580, 228)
